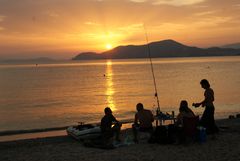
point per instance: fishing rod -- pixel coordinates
(154, 79)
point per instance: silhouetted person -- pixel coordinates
(184, 117)
(143, 121)
(184, 111)
(207, 119)
(110, 126)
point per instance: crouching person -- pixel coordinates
(142, 122)
(110, 127)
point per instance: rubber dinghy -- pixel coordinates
(82, 132)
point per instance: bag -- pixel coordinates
(202, 136)
(163, 135)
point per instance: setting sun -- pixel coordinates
(108, 46)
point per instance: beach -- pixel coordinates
(225, 147)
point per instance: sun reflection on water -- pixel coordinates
(109, 86)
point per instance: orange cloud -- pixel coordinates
(178, 2)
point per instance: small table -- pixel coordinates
(161, 117)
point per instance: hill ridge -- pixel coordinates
(158, 49)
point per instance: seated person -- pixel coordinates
(110, 126)
(184, 111)
(143, 121)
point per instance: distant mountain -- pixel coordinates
(87, 55)
(233, 46)
(32, 60)
(165, 48)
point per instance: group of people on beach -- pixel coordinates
(144, 118)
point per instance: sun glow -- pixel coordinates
(108, 46)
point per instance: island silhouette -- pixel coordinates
(159, 49)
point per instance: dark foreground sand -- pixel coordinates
(226, 147)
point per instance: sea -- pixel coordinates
(62, 93)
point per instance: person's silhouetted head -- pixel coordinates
(108, 111)
(183, 106)
(204, 83)
(139, 107)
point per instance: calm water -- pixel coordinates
(50, 95)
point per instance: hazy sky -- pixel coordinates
(63, 28)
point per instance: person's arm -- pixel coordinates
(209, 97)
(199, 104)
(152, 117)
(191, 111)
(116, 122)
(136, 119)
(179, 119)
(114, 119)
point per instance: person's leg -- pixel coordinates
(135, 128)
(116, 130)
(107, 137)
(212, 125)
(180, 135)
(208, 121)
(205, 118)
(215, 128)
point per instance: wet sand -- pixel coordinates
(225, 147)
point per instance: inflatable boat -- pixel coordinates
(83, 132)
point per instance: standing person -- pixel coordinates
(110, 126)
(207, 119)
(143, 121)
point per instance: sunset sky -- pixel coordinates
(63, 28)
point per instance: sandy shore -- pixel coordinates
(225, 147)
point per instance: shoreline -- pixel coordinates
(31, 136)
(61, 148)
(16, 135)
(17, 132)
